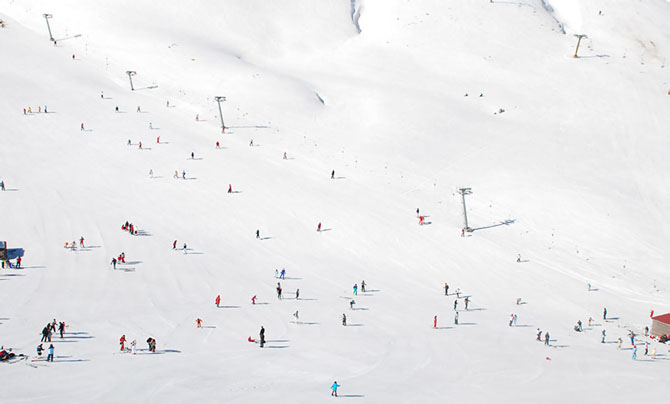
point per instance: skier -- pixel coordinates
(605, 313)
(167, 104)
(363, 286)
(518, 258)
(279, 289)
(138, 109)
(82, 126)
(590, 321)
(158, 139)
(81, 242)
(150, 126)
(456, 318)
(50, 357)
(282, 275)
(546, 338)
(276, 274)
(114, 262)
(417, 212)
(139, 144)
(102, 95)
(217, 145)
(332, 175)
(455, 304)
(230, 189)
(634, 352)
(151, 173)
(116, 109)
(632, 338)
(351, 304)
(18, 262)
(334, 389)
(192, 156)
(24, 111)
(539, 335)
(183, 174)
(198, 322)
(73, 56)
(129, 142)
(258, 234)
(344, 319)
(297, 294)
(45, 109)
(318, 228)
(40, 349)
(467, 302)
(197, 117)
(603, 337)
(296, 315)
(619, 343)
(435, 322)
(589, 285)
(251, 143)
(253, 300)
(355, 289)
(174, 245)
(262, 336)
(446, 289)
(420, 220)
(132, 346)
(285, 158)
(61, 328)
(218, 300)
(185, 248)
(122, 342)
(463, 232)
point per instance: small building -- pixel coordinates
(660, 325)
(3, 251)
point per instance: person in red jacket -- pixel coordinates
(122, 341)
(218, 300)
(81, 242)
(18, 262)
(318, 228)
(198, 322)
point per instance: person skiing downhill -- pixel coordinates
(421, 220)
(334, 389)
(344, 319)
(258, 234)
(218, 300)
(158, 139)
(230, 188)
(192, 156)
(363, 286)
(355, 288)
(539, 335)
(634, 352)
(218, 145)
(113, 262)
(82, 126)
(253, 300)
(456, 318)
(81, 242)
(174, 245)
(132, 346)
(351, 304)
(318, 228)
(297, 294)
(435, 322)
(603, 337)
(198, 322)
(605, 313)
(285, 158)
(282, 275)
(467, 302)
(332, 175)
(546, 338)
(122, 342)
(262, 336)
(455, 304)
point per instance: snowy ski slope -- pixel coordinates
(572, 176)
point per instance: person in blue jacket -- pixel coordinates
(50, 357)
(334, 388)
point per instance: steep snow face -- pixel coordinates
(566, 158)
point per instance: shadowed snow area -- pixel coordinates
(407, 101)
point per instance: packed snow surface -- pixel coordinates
(567, 159)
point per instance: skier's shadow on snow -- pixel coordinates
(291, 278)
(307, 299)
(133, 262)
(209, 326)
(196, 158)
(230, 307)
(594, 290)
(351, 395)
(360, 308)
(355, 325)
(467, 323)
(146, 148)
(322, 230)
(257, 303)
(143, 233)
(612, 319)
(10, 190)
(340, 178)
(131, 269)
(12, 275)
(265, 238)
(443, 328)
(157, 176)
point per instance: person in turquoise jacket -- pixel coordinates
(334, 388)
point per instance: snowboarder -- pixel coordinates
(446, 289)
(198, 322)
(435, 322)
(50, 357)
(113, 263)
(262, 336)
(344, 319)
(334, 389)
(332, 175)
(318, 227)
(218, 300)
(122, 342)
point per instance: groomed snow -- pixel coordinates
(572, 176)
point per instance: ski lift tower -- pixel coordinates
(463, 192)
(46, 17)
(130, 74)
(218, 100)
(579, 40)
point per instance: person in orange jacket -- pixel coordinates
(218, 300)
(198, 322)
